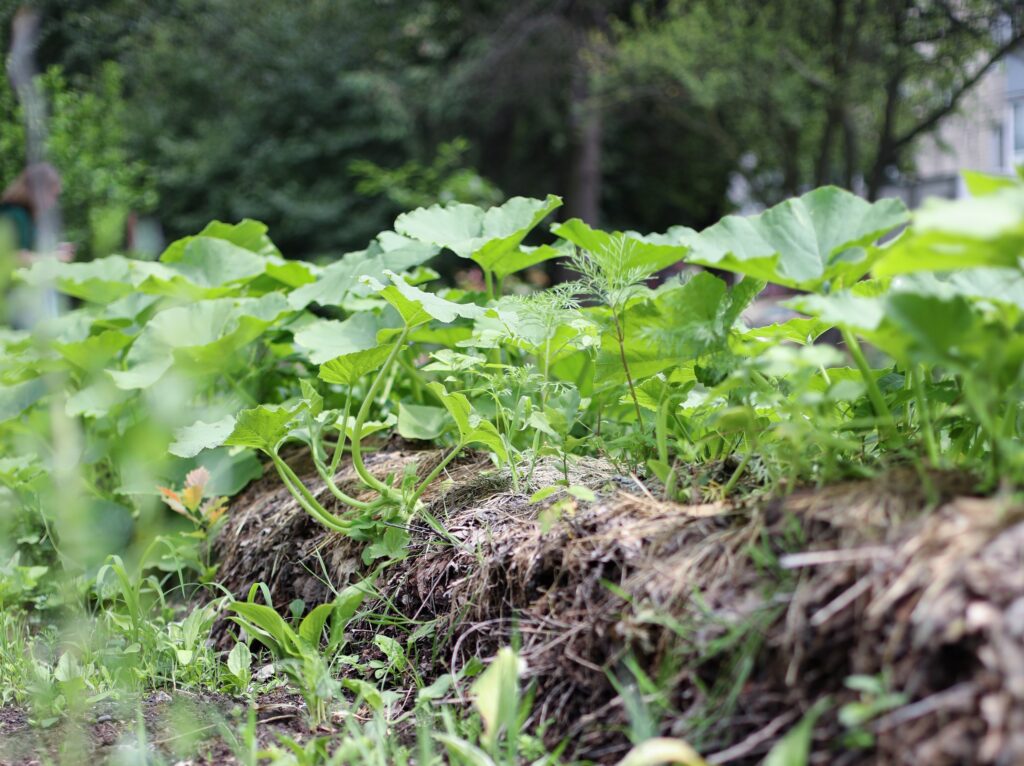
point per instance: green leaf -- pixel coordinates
(349, 368)
(189, 441)
(103, 280)
(965, 233)
(794, 749)
(311, 628)
(95, 351)
(201, 338)
(982, 285)
(247, 234)
(239, 661)
(545, 492)
(661, 750)
(650, 253)
(679, 324)
(842, 309)
(389, 252)
(525, 257)
(367, 692)
(465, 751)
(417, 421)
(472, 429)
(262, 427)
(825, 236)
(250, 235)
(272, 630)
(980, 184)
(207, 268)
(392, 650)
(314, 401)
(496, 696)
(15, 399)
(490, 238)
(417, 307)
(325, 339)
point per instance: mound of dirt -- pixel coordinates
(719, 623)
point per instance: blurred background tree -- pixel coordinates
(325, 118)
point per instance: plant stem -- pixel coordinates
(734, 479)
(489, 282)
(435, 473)
(620, 336)
(357, 430)
(339, 448)
(305, 499)
(874, 393)
(924, 416)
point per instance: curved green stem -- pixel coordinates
(328, 480)
(874, 393)
(357, 430)
(435, 473)
(305, 498)
(734, 479)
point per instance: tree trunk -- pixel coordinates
(587, 128)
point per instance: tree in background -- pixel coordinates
(87, 141)
(325, 118)
(799, 93)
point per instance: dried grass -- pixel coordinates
(745, 614)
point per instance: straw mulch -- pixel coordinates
(720, 623)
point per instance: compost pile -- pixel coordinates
(748, 614)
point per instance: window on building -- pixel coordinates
(1018, 130)
(998, 148)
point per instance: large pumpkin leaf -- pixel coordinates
(417, 421)
(262, 427)
(491, 238)
(417, 306)
(15, 399)
(248, 234)
(965, 233)
(100, 281)
(349, 368)
(650, 253)
(336, 282)
(675, 326)
(95, 351)
(208, 268)
(325, 339)
(825, 236)
(201, 337)
(994, 285)
(189, 441)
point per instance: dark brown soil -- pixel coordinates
(180, 727)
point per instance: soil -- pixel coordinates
(182, 727)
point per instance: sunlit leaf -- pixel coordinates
(825, 236)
